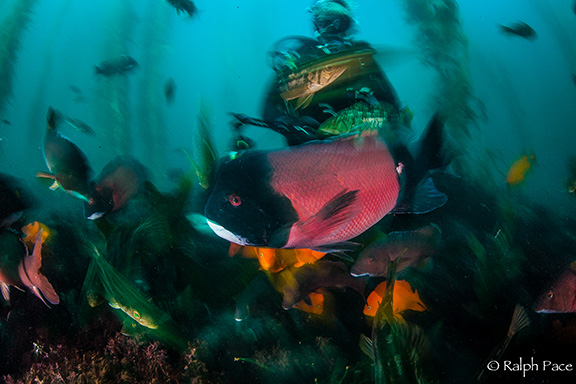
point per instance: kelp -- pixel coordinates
(151, 124)
(112, 108)
(11, 30)
(444, 47)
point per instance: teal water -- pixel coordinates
(523, 95)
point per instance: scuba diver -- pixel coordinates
(317, 78)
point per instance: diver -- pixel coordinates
(317, 78)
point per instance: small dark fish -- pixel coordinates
(75, 89)
(14, 200)
(68, 165)
(310, 277)
(79, 125)
(520, 29)
(184, 6)
(169, 90)
(7, 122)
(411, 247)
(561, 296)
(120, 180)
(119, 65)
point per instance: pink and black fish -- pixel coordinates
(120, 180)
(561, 296)
(320, 193)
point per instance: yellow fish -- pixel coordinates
(517, 172)
(404, 298)
(31, 230)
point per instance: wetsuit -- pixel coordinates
(313, 82)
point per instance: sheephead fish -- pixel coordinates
(120, 180)
(560, 297)
(316, 194)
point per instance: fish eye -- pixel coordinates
(91, 201)
(550, 295)
(136, 315)
(235, 200)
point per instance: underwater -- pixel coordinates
(306, 191)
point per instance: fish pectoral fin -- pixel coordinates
(340, 249)
(5, 292)
(304, 101)
(46, 175)
(332, 216)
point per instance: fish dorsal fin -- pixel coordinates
(29, 271)
(332, 216)
(520, 320)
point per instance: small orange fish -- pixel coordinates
(31, 230)
(276, 259)
(314, 305)
(517, 172)
(404, 298)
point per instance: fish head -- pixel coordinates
(233, 210)
(98, 205)
(560, 297)
(366, 265)
(372, 261)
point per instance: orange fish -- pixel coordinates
(517, 172)
(404, 298)
(276, 259)
(31, 230)
(314, 305)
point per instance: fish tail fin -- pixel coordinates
(29, 271)
(53, 118)
(421, 195)
(430, 154)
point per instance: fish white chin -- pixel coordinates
(226, 234)
(95, 216)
